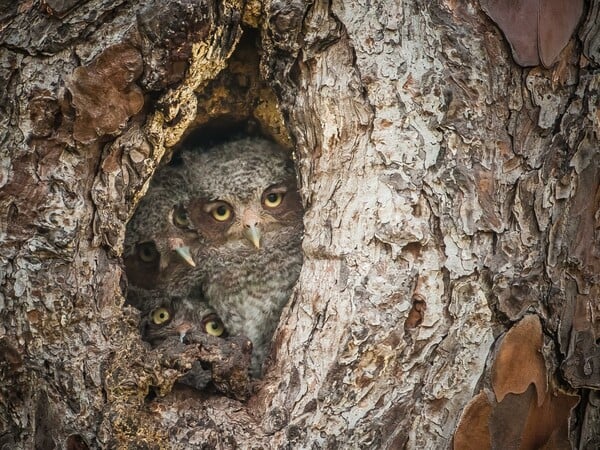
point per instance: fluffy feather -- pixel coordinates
(247, 286)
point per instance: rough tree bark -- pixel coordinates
(449, 295)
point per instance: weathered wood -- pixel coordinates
(68, 188)
(451, 197)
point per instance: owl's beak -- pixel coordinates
(183, 329)
(182, 250)
(252, 233)
(250, 221)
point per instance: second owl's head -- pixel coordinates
(243, 193)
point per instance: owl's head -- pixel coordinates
(243, 195)
(155, 243)
(178, 317)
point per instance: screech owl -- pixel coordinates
(156, 252)
(245, 207)
(164, 317)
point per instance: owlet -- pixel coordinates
(245, 208)
(156, 251)
(164, 317)
(173, 317)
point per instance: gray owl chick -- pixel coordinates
(245, 207)
(156, 251)
(165, 317)
(173, 317)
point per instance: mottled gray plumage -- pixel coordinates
(162, 275)
(156, 251)
(245, 207)
(164, 317)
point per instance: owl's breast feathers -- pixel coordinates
(249, 287)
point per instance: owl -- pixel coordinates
(245, 208)
(165, 317)
(157, 248)
(175, 317)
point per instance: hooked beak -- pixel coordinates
(184, 252)
(252, 233)
(182, 330)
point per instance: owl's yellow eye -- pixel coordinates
(180, 217)
(273, 199)
(214, 326)
(221, 213)
(160, 316)
(147, 252)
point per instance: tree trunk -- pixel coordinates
(452, 223)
